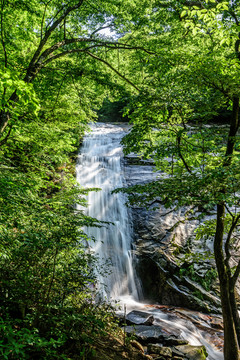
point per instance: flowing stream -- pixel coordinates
(100, 166)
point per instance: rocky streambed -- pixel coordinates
(166, 333)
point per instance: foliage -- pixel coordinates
(192, 76)
(62, 333)
(113, 110)
(44, 270)
(188, 264)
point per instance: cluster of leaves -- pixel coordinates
(187, 81)
(188, 263)
(206, 282)
(113, 110)
(190, 159)
(61, 333)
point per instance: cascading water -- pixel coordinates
(99, 166)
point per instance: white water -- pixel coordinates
(99, 166)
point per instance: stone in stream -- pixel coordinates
(171, 341)
(190, 352)
(153, 334)
(139, 318)
(146, 334)
(217, 323)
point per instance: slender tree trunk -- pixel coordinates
(234, 125)
(4, 118)
(235, 313)
(228, 301)
(5, 115)
(230, 337)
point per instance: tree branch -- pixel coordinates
(181, 156)
(227, 243)
(2, 35)
(113, 69)
(43, 17)
(96, 42)
(99, 29)
(3, 141)
(45, 39)
(236, 274)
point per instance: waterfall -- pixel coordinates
(99, 166)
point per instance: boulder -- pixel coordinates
(159, 350)
(154, 334)
(191, 352)
(139, 318)
(171, 341)
(147, 334)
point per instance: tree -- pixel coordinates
(192, 77)
(54, 32)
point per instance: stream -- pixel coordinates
(100, 166)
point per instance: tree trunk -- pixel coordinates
(4, 118)
(230, 338)
(234, 125)
(5, 115)
(230, 321)
(235, 314)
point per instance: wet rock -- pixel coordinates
(196, 287)
(174, 341)
(139, 318)
(133, 159)
(158, 270)
(177, 353)
(217, 323)
(160, 350)
(192, 352)
(147, 334)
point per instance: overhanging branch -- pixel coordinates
(113, 69)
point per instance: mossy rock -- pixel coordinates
(192, 352)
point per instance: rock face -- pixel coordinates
(163, 244)
(162, 283)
